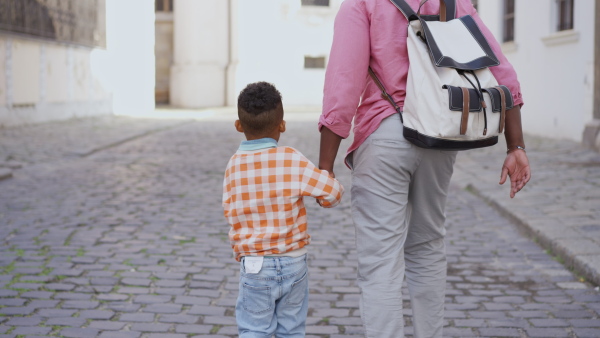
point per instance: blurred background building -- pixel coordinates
(70, 58)
(65, 58)
(207, 51)
(555, 47)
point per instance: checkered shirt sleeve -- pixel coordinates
(263, 200)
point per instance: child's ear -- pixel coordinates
(282, 126)
(238, 126)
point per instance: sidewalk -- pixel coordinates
(80, 137)
(559, 208)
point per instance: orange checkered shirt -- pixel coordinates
(262, 199)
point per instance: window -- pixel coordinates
(315, 3)
(565, 15)
(475, 3)
(314, 62)
(163, 5)
(508, 33)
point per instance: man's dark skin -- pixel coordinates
(516, 163)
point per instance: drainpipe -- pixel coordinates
(591, 133)
(597, 64)
(230, 69)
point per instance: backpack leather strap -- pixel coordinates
(447, 9)
(384, 93)
(464, 120)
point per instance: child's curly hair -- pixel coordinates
(259, 107)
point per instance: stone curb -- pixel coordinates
(571, 260)
(6, 173)
(90, 151)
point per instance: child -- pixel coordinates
(262, 198)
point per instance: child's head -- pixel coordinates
(260, 111)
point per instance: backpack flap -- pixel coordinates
(453, 42)
(458, 43)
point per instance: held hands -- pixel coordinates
(516, 166)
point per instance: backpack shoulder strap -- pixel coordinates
(405, 8)
(447, 9)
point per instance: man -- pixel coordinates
(399, 190)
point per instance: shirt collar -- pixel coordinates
(262, 143)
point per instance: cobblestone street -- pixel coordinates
(126, 238)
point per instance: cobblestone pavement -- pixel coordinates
(130, 241)
(49, 142)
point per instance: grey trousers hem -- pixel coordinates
(398, 205)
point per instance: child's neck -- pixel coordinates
(253, 137)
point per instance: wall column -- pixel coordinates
(230, 93)
(591, 133)
(200, 53)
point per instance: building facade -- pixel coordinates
(66, 58)
(207, 51)
(554, 46)
(69, 58)
(286, 43)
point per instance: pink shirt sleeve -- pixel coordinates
(347, 68)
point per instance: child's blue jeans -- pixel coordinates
(274, 300)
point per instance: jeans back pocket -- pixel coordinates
(257, 299)
(298, 290)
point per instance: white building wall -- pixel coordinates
(128, 62)
(555, 68)
(42, 81)
(273, 38)
(200, 53)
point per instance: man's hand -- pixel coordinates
(516, 166)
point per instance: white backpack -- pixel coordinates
(453, 101)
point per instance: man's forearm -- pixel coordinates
(330, 143)
(513, 130)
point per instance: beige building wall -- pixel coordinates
(82, 77)
(43, 80)
(25, 57)
(56, 69)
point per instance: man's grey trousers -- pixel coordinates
(398, 205)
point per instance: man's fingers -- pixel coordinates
(527, 177)
(503, 175)
(519, 183)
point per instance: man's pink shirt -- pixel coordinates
(361, 39)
